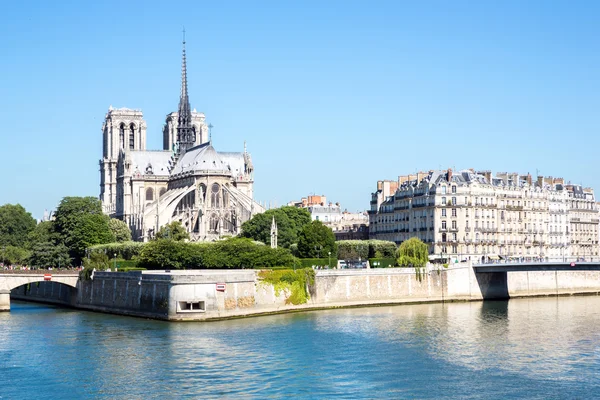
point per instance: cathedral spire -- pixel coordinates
(185, 133)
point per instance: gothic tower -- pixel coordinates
(123, 130)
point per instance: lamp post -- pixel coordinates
(115, 260)
(329, 253)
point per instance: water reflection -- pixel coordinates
(544, 348)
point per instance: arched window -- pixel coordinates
(149, 194)
(193, 139)
(215, 198)
(225, 198)
(162, 191)
(122, 136)
(131, 137)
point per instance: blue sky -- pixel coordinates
(330, 96)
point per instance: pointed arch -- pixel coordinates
(149, 194)
(215, 195)
(132, 136)
(122, 135)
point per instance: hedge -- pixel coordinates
(364, 249)
(382, 262)
(231, 253)
(123, 250)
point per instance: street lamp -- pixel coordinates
(329, 253)
(115, 259)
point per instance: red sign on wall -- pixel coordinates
(220, 287)
(47, 277)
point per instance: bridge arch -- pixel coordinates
(9, 282)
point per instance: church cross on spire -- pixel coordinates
(185, 133)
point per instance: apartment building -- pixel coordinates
(478, 216)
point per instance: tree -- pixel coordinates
(173, 231)
(13, 255)
(120, 230)
(413, 253)
(15, 225)
(46, 254)
(79, 224)
(316, 240)
(290, 222)
(42, 233)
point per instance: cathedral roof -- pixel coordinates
(150, 162)
(203, 158)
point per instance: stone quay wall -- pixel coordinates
(217, 294)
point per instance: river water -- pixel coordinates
(542, 348)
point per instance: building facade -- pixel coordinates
(477, 216)
(209, 192)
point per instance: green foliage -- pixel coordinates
(413, 253)
(120, 230)
(290, 221)
(318, 262)
(48, 254)
(355, 249)
(96, 261)
(42, 233)
(382, 262)
(124, 250)
(14, 255)
(173, 231)
(167, 254)
(382, 249)
(80, 223)
(230, 253)
(127, 265)
(316, 241)
(15, 224)
(294, 282)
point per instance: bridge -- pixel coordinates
(10, 280)
(503, 280)
(537, 266)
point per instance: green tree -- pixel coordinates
(413, 253)
(120, 230)
(42, 233)
(290, 222)
(173, 231)
(96, 261)
(47, 254)
(15, 225)
(79, 224)
(14, 255)
(316, 240)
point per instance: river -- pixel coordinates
(541, 348)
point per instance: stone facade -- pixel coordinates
(209, 192)
(477, 216)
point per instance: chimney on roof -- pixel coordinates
(529, 179)
(449, 176)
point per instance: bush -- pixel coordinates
(123, 250)
(295, 281)
(231, 253)
(382, 262)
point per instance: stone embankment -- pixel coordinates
(219, 294)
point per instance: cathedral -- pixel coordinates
(209, 192)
